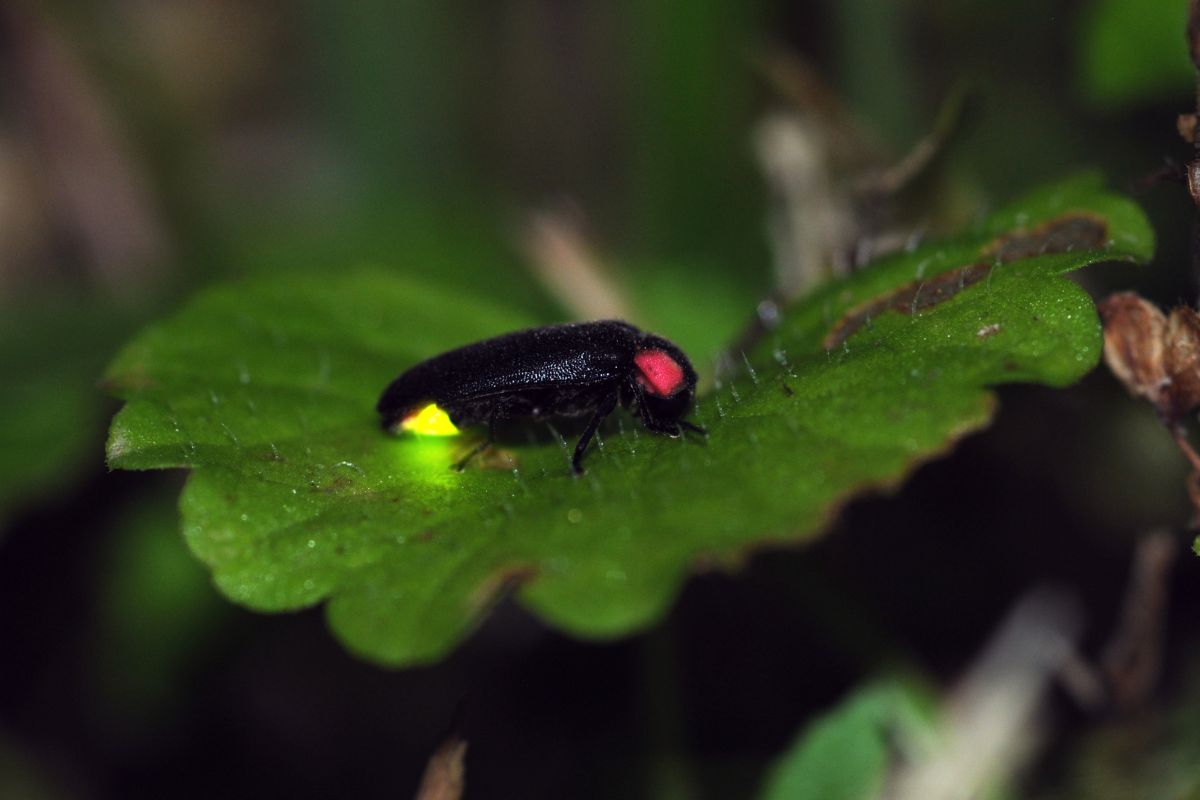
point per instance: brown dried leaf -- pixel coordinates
(1181, 359)
(1134, 332)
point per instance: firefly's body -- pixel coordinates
(559, 370)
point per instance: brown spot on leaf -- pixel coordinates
(496, 458)
(134, 381)
(908, 299)
(499, 582)
(1066, 233)
(1063, 234)
(335, 486)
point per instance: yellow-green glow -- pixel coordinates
(430, 421)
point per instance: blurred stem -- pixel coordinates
(668, 774)
(392, 86)
(1192, 33)
(874, 68)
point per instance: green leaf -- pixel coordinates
(266, 390)
(845, 755)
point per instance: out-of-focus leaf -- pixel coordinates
(1131, 52)
(691, 89)
(463, 254)
(845, 755)
(156, 612)
(51, 414)
(266, 390)
(392, 89)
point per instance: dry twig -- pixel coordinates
(445, 775)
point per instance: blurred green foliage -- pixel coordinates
(156, 615)
(847, 753)
(1133, 52)
(51, 413)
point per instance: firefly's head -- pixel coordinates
(665, 379)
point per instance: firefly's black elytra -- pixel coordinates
(559, 370)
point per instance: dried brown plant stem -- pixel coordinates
(1132, 659)
(560, 255)
(1187, 129)
(1123, 679)
(1179, 434)
(445, 775)
(1157, 357)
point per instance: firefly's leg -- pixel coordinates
(603, 410)
(671, 429)
(461, 464)
(674, 429)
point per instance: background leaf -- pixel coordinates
(51, 415)
(845, 755)
(1130, 52)
(266, 389)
